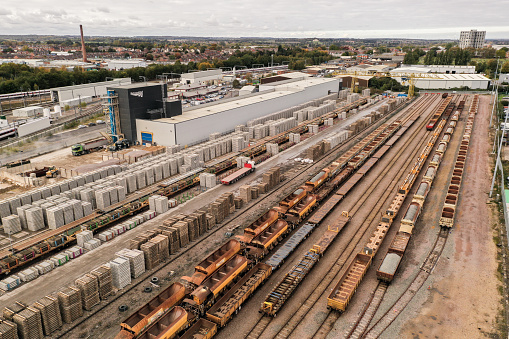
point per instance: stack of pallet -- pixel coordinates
(136, 261)
(105, 280)
(151, 254)
(271, 177)
(315, 151)
(183, 232)
(10, 310)
(29, 323)
(173, 237)
(89, 288)
(245, 193)
(8, 329)
(70, 304)
(163, 246)
(121, 272)
(50, 313)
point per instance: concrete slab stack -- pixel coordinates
(141, 180)
(89, 289)
(92, 244)
(12, 224)
(136, 260)
(294, 137)
(68, 213)
(21, 212)
(83, 237)
(161, 205)
(102, 198)
(272, 148)
(34, 218)
(28, 275)
(87, 208)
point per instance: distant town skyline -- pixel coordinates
(279, 19)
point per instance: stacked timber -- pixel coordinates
(8, 329)
(163, 249)
(104, 279)
(271, 177)
(29, 323)
(151, 254)
(89, 288)
(70, 304)
(10, 310)
(50, 314)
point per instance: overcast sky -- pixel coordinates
(263, 18)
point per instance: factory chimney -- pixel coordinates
(83, 45)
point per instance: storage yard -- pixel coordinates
(330, 221)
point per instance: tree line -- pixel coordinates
(16, 77)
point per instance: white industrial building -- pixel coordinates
(210, 76)
(197, 124)
(447, 69)
(30, 111)
(96, 89)
(121, 64)
(448, 81)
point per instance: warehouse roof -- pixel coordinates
(301, 84)
(221, 107)
(115, 82)
(454, 77)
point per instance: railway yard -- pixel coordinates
(386, 233)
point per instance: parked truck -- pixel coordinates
(89, 146)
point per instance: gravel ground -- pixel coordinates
(462, 300)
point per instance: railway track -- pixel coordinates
(299, 314)
(252, 211)
(395, 310)
(358, 329)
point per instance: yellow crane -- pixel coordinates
(407, 78)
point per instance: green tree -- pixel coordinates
(505, 67)
(501, 53)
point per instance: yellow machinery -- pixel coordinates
(406, 78)
(52, 172)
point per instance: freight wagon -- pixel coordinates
(248, 168)
(212, 262)
(224, 309)
(154, 309)
(300, 210)
(291, 200)
(205, 294)
(202, 329)
(260, 224)
(343, 292)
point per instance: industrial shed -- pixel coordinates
(95, 89)
(448, 81)
(197, 124)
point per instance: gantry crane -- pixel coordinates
(409, 78)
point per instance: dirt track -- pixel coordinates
(463, 300)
